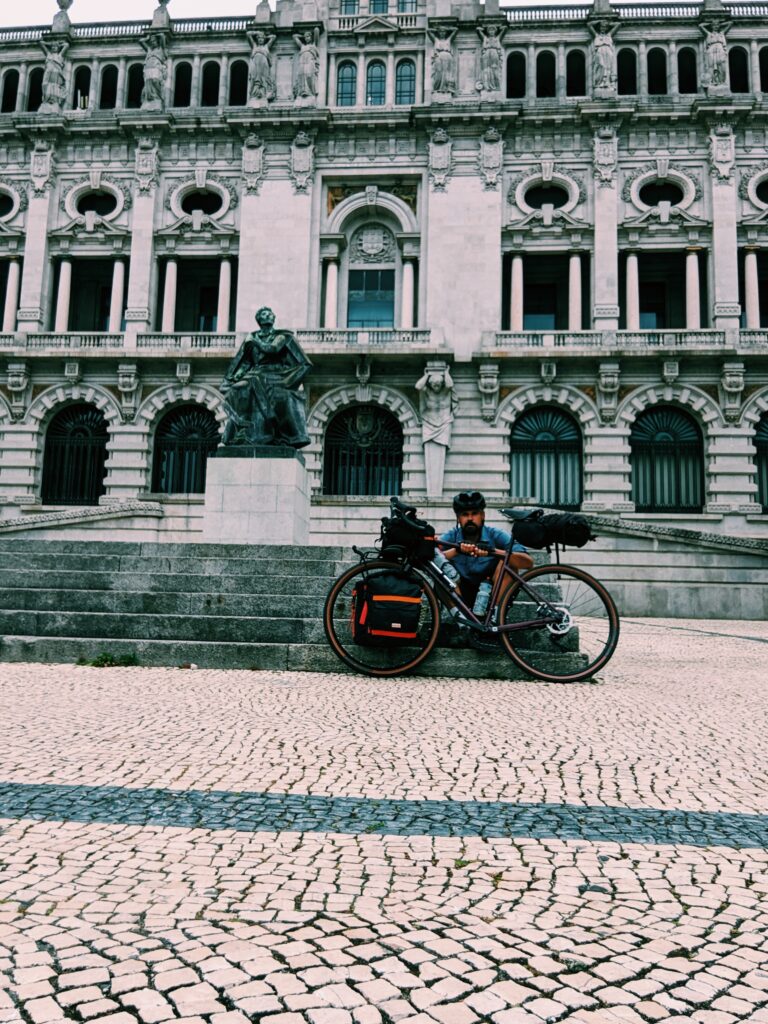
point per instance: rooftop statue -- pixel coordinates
(716, 56)
(155, 66)
(491, 60)
(54, 77)
(443, 62)
(61, 22)
(307, 72)
(262, 388)
(261, 72)
(603, 58)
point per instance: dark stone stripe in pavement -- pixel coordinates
(274, 812)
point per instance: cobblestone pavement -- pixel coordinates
(230, 846)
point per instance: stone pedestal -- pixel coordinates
(256, 495)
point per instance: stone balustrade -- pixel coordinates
(651, 341)
(354, 339)
(172, 342)
(547, 339)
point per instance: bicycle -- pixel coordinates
(555, 621)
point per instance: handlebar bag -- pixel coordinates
(399, 536)
(386, 608)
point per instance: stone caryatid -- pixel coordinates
(491, 60)
(262, 388)
(443, 63)
(307, 67)
(261, 69)
(54, 77)
(437, 407)
(155, 70)
(716, 56)
(603, 58)
(61, 22)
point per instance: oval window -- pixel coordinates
(656, 192)
(208, 202)
(761, 192)
(541, 195)
(6, 204)
(101, 203)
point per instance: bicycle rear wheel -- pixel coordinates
(577, 646)
(391, 660)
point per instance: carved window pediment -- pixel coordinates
(375, 26)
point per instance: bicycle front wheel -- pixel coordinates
(576, 646)
(384, 658)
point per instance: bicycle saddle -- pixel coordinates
(521, 513)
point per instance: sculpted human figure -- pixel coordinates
(603, 56)
(443, 61)
(437, 406)
(491, 59)
(54, 80)
(716, 54)
(262, 389)
(307, 65)
(261, 74)
(155, 64)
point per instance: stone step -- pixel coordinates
(69, 580)
(170, 550)
(81, 562)
(468, 664)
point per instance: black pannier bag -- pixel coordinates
(399, 538)
(386, 607)
(542, 531)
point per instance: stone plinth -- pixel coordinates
(256, 495)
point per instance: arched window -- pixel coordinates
(184, 439)
(761, 460)
(687, 75)
(209, 95)
(405, 82)
(738, 69)
(346, 84)
(657, 72)
(10, 91)
(81, 88)
(135, 86)
(575, 74)
(516, 76)
(182, 84)
(35, 92)
(545, 75)
(238, 84)
(545, 458)
(376, 84)
(108, 92)
(74, 457)
(667, 455)
(764, 68)
(363, 452)
(626, 72)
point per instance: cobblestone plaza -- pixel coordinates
(221, 846)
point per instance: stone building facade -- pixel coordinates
(524, 248)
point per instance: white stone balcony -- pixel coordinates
(670, 340)
(187, 342)
(389, 339)
(542, 340)
(79, 340)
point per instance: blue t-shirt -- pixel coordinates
(479, 568)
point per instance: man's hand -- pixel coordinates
(472, 549)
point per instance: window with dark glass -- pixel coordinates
(182, 84)
(371, 299)
(184, 439)
(626, 72)
(406, 6)
(346, 84)
(761, 461)
(546, 458)
(209, 93)
(378, 6)
(516, 82)
(363, 452)
(764, 69)
(108, 91)
(81, 88)
(687, 76)
(238, 84)
(575, 74)
(135, 86)
(738, 69)
(545, 75)
(667, 458)
(657, 72)
(35, 91)
(10, 91)
(376, 84)
(405, 82)
(349, 7)
(74, 457)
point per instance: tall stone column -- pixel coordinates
(224, 81)
(37, 269)
(121, 74)
(754, 64)
(633, 293)
(169, 297)
(63, 297)
(138, 314)
(330, 317)
(692, 291)
(605, 288)
(516, 294)
(725, 205)
(642, 69)
(751, 290)
(11, 305)
(195, 88)
(406, 314)
(390, 92)
(362, 81)
(117, 298)
(530, 69)
(225, 296)
(574, 292)
(21, 95)
(673, 84)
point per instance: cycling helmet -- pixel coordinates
(468, 501)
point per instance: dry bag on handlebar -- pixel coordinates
(386, 607)
(543, 531)
(401, 536)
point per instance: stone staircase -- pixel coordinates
(212, 605)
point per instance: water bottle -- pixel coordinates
(448, 571)
(480, 607)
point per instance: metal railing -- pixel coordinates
(188, 340)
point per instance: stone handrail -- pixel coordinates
(187, 340)
(75, 339)
(547, 339)
(753, 339)
(8, 341)
(355, 337)
(670, 339)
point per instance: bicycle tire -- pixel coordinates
(581, 649)
(377, 661)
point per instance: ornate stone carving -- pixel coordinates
(302, 161)
(670, 371)
(184, 373)
(253, 165)
(73, 372)
(161, 19)
(491, 158)
(261, 69)
(732, 390)
(155, 72)
(128, 381)
(61, 22)
(54, 76)
(372, 243)
(18, 385)
(41, 168)
(18, 196)
(97, 183)
(715, 58)
(147, 165)
(77, 515)
(437, 408)
(440, 159)
(306, 73)
(687, 180)
(548, 371)
(605, 150)
(443, 64)
(608, 379)
(488, 386)
(722, 152)
(603, 58)
(490, 61)
(750, 179)
(363, 377)
(203, 180)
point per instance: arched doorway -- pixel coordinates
(74, 456)
(184, 439)
(545, 458)
(363, 452)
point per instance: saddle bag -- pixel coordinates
(542, 531)
(386, 608)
